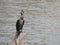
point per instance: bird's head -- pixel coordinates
(22, 12)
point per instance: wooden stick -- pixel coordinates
(19, 41)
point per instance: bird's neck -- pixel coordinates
(21, 21)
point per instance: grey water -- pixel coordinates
(42, 21)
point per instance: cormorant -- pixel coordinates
(19, 24)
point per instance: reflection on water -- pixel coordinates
(42, 21)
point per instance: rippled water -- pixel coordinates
(42, 21)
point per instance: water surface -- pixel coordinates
(42, 21)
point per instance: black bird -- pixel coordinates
(19, 24)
